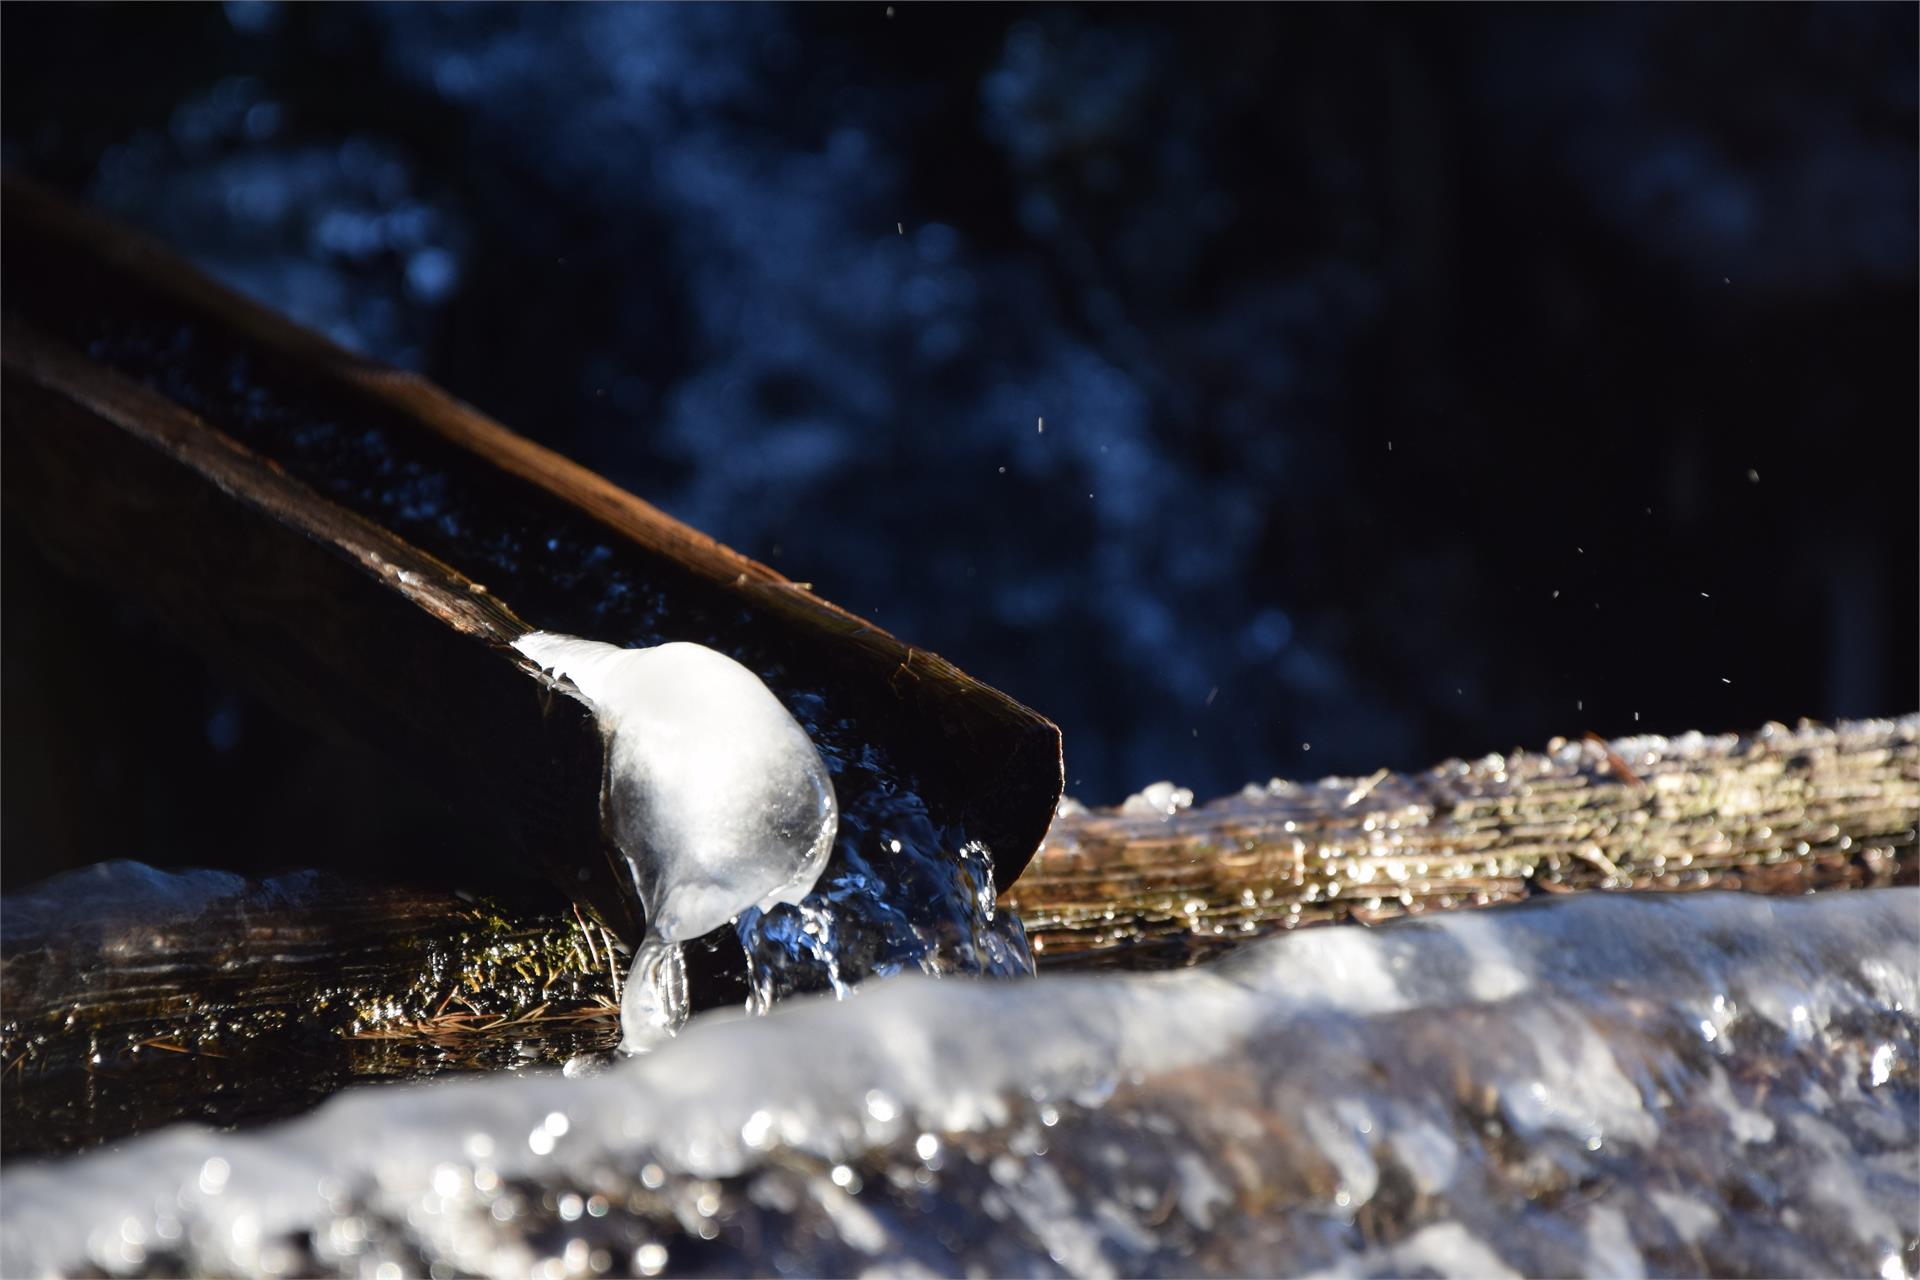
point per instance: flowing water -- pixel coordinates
(856, 925)
(1623, 1085)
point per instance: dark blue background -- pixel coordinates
(1415, 381)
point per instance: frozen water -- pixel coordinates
(715, 794)
(655, 1004)
(1531, 1094)
(1163, 798)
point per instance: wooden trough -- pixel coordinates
(364, 548)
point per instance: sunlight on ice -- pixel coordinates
(715, 794)
(1162, 798)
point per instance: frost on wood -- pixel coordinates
(715, 795)
(1781, 811)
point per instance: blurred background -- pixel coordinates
(1415, 382)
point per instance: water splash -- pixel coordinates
(901, 895)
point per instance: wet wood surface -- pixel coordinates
(134, 997)
(1781, 810)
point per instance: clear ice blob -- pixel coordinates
(715, 795)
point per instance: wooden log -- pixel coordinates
(133, 997)
(1783, 810)
(364, 548)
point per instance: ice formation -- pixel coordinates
(1694, 1084)
(715, 794)
(1162, 798)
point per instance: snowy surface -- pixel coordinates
(1596, 1084)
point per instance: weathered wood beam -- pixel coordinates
(133, 997)
(364, 548)
(1781, 810)
(348, 627)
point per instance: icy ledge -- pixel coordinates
(1602, 1084)
(715, 794)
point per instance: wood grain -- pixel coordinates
(1781, 810)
